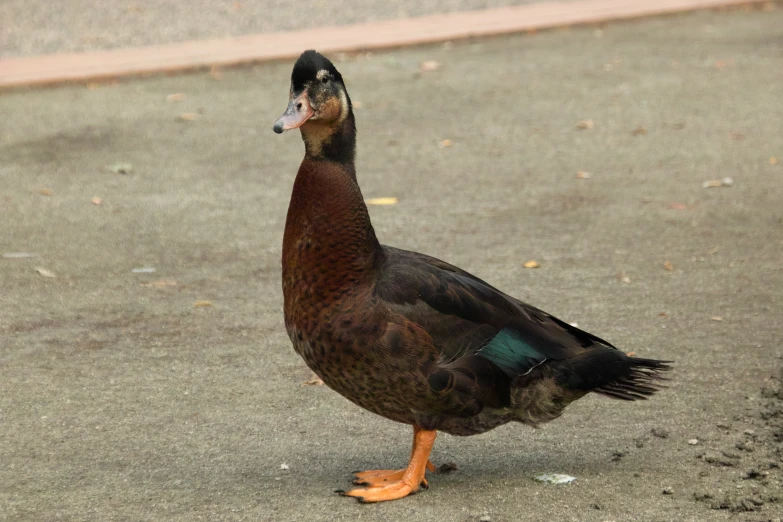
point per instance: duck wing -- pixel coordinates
(486, 340)
(462, 313)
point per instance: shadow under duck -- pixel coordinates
(408, 336)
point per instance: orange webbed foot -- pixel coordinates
(383, 477)
(392, 491)
(386, 484)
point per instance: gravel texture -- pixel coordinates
(121, 399)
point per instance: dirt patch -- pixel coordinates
(747, 464)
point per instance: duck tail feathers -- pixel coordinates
(612, 373)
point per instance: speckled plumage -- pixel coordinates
(408, 336)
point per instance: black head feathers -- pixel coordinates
(309, 66)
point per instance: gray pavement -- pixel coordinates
(85, 25)
(122, 400)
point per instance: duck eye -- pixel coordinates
(325, 80)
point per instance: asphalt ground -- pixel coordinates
(29, 28)
(176, 395)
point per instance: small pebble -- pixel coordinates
(448, 467)
(719, 460)
(752, 474)
(485, 518)
(749, 432)
(668, 491)
(693, 442)
(660, 433)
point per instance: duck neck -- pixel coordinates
(325, 141)
(329, 242)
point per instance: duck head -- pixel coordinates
(320, 107)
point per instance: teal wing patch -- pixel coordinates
(511, 353)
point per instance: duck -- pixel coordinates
(407, 336)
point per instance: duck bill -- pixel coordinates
(299, 111)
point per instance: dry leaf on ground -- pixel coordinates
(429, 65)
(584, 124)
(45, 191)
(623, 278)
(736, 136)
(18, 255)
(202, 304)
(96, 201)
(725, 182)
(313, 381)
(583, 175)
(382, 201)
(121, 168)
(532, 264)
(143, 270)
(44, 272)
(668, 266)
(774, 161)
(444, 144)
(160, 283)
(677, 206)
(554, 478)
(189, 116)
(177, 96)
(716, 318)
(639, 131)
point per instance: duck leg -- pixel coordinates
(391, 485)
(382, 477)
